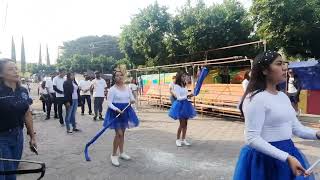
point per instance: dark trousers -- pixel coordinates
(52, 100)
(60, 101)
(98, 101)
(44, 106)
(85, 98)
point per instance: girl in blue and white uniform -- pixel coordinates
(181, 108)
(270, 123)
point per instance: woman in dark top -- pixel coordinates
(15, 112)
(72, 97)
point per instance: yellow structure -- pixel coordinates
(303, 104)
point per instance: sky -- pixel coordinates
(51, 22)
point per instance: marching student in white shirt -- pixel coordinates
(84, 86)
(181, 108)
(99, 88)
(294, 89)
(52, 96)
(58, 88)
(119, 97)
(270, 123)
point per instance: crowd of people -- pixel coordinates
(61, 89)
(270, 117)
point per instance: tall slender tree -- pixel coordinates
(13, 50)
(40, 56)
(23, 57)
(48, 58)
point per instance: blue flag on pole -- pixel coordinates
(203, 75)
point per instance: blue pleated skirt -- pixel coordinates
(182, 110)
(254, 165)
(128, 119)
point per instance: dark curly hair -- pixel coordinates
(179, 80)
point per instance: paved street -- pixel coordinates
(215, 146)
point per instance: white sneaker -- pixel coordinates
(115, 160)
(185, 142)
(178, 143)
(125, 156)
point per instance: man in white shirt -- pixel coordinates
(84, 86)
(134, 88)
(294, 88)
(98, 86)
(58, 88)
(52, 94)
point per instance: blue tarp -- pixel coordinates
(308, 72)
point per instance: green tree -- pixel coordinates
(292, 25)
(144, 38)
(315, 32)
(40, 56)
(128, 64)
(94, 46)
(23, 58)
(91, 53)
(13, 50)
(35, 68)
(202, 27)
(48, 57)
(32, 68)
(154, 37)
(103, 64)
(64, 62)
(82, 63)
(126, 45)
